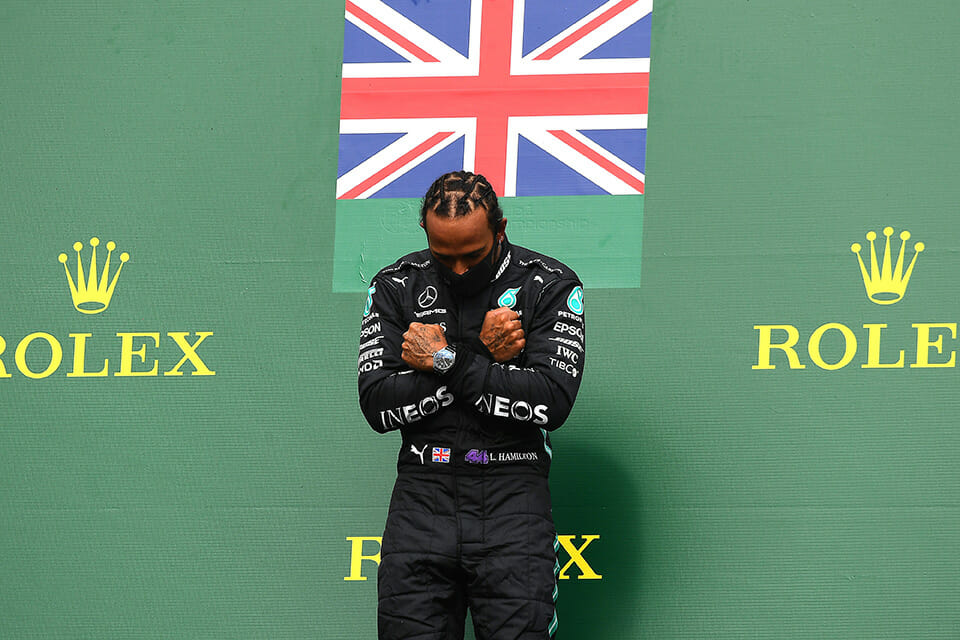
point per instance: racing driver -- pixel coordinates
(473, 349)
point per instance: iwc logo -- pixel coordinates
(39, 354)
(885, 281)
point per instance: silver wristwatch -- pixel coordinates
(443, 360)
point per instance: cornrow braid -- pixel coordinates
(458, 193)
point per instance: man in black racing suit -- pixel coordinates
(474, 350)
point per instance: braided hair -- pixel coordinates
(458, 193)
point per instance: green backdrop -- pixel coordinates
(730, 501)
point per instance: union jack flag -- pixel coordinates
(543, 97)
(441, 454)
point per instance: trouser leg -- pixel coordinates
(420, 587)
(512, 567)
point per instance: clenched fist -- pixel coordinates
(420, 342)
(502, 335)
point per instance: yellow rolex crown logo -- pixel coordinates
(91, 294)
(886, 284)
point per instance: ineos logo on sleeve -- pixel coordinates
(428, 297)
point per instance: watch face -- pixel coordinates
(443, 360)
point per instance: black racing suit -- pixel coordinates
(470, 521)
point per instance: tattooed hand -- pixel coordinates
(502, 335)
(420, 341)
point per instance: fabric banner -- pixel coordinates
(195, 196)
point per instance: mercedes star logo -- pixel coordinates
(428, 297)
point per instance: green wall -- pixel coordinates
(731, 501)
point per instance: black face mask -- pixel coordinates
(473, 280)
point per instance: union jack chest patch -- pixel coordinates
(441, 454)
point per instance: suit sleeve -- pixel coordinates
(540, 390)
(392, 394)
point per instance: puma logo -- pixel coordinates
(413, 449)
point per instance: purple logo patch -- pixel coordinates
(476, 456)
